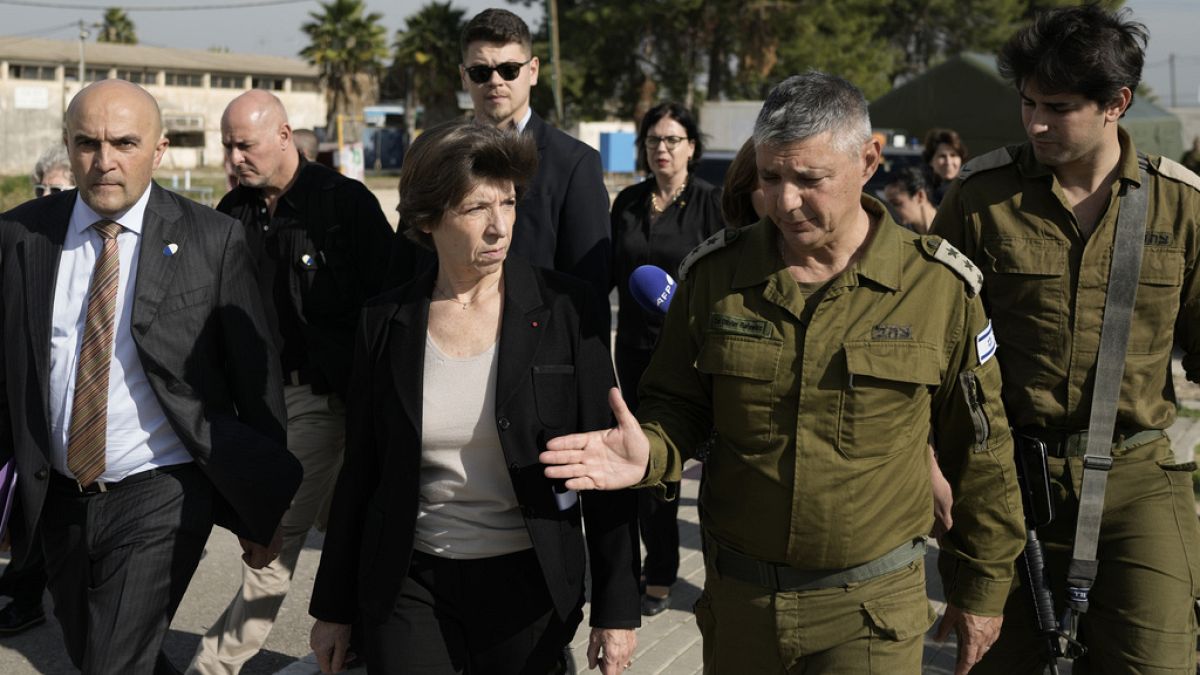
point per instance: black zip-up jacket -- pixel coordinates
(318, 259)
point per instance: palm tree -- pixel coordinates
(117, 27)
(348, 46)
(427, 58)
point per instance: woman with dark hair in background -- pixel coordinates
(910, 198)
(445, 537)
(944, 154)
(742, 201)
(657, 222)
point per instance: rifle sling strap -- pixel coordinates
(1110, 368)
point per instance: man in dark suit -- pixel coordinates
(562, 222)
(141, 394)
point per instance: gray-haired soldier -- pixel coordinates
(826, 344)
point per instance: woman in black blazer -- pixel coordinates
(445, 538)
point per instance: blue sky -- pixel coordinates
(1174, 28)
(257, 30)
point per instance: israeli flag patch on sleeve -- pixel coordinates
(985, 344)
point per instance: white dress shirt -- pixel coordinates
(138, 435)
(524, 120)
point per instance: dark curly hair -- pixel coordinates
(1084, 50)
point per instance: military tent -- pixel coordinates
(967, 94)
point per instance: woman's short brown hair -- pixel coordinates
(449, 160)
(741, 180)
(937, 137)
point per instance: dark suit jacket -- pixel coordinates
(562, 221)
(199, 329)
(553, 377)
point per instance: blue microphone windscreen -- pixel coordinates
(652, 288)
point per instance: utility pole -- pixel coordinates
(410, 107)
(1171, 63)
(83, 36)
(556, 69)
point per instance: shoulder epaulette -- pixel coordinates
(1169, 168)
(986, 162)
(714, 243)
(944, 252)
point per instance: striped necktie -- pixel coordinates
(89, 414)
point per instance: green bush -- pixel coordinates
(14, 190)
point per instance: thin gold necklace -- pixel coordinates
(468, 303)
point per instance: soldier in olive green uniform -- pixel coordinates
(826, 345)
(1039, 219)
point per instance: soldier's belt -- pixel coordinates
(1063, 445)
(776, 577)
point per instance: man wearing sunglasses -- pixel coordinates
(562, 222)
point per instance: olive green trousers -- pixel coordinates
(876, 626)
(1141, 617)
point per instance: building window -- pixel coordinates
(136, 76)
(268, 83)
(22, 71)
(227, 81)
(302, 84)
(186, 139)
(184, 79)
(97, 74)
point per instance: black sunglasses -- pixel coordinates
(509, 70)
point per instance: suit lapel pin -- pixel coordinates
(170, 249)
(307, 260)
(535, 324)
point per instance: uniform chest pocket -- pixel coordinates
(554, 394)
(1025, 285)
(1023, 255)
(886, 392)
(1157, 302)
(743, 373)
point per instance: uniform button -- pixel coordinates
(513, 467)
(41, 474)
(503, 423)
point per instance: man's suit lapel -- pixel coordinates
(161, 226)
(39, 255)
(521, 327)
(407, 346)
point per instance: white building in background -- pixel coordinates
(38, 77)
